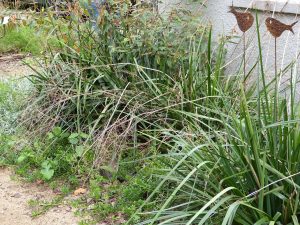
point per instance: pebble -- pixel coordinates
(16, 195)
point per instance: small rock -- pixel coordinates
(16, 195)
(91, 207)
(38, 196)
(57, 191)
(90, 201)
(69, 209)
(56, 210)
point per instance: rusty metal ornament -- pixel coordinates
(244, 19)
(276, 28)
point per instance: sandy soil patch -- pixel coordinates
(12, 65)
(14, 208)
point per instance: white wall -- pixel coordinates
(224, 23)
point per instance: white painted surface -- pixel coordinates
(282, 6)
(5, 20)
(224, 23)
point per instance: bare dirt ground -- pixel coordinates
(14, 208)
(11, 65)
(14, 194)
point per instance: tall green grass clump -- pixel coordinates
(246, 172)
(132, 72)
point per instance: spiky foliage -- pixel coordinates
(130, 72)
(245, 173)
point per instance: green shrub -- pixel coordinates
(21, 39)
(127, 75)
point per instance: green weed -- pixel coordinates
(41, 207)
(117, 198)
(21, 39)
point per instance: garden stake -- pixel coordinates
(245, 21)
(276, 83)
(244, 55)
(276, 28)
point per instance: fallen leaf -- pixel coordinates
(79, 191)
(39, 182)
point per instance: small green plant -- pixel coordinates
(12, 100)
(41, 207)
(21, 39)
(47, 170)
(61, 153)
(25, 155)
(114, 199)
(7, 155)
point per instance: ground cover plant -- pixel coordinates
(12, 95)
